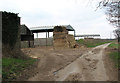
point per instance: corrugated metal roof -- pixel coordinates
(49, 28)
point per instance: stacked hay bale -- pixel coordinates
(62, 39)
(71, 40)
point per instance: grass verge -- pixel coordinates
(114, 54)
(11, 67)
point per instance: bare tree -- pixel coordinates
(117, 34)
(112, 8)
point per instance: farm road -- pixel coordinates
(88, 67)
(72, 65)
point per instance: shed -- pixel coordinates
(27, 37)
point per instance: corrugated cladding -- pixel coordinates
(49, 28)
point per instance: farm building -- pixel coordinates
(10, 34)
(47, 29)
(88, 36)
(27, 37)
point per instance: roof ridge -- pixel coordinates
(48, 26)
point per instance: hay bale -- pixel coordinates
(71, 41)
(61, 43)
(62, 36)
(62, 39)
(60, 29)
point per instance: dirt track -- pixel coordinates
(88, 67)
(51, 61)
(71, 65)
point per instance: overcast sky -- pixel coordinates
(80, 14)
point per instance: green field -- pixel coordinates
(113, 45)
(12, 67)
(91, 42)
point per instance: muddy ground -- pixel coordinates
(79, 64)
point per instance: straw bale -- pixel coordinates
(60, 29)
(62, 39)
(71, 41)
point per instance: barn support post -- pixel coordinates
(48, 34)
(74, 33)
(46, 38)
(37, 35)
